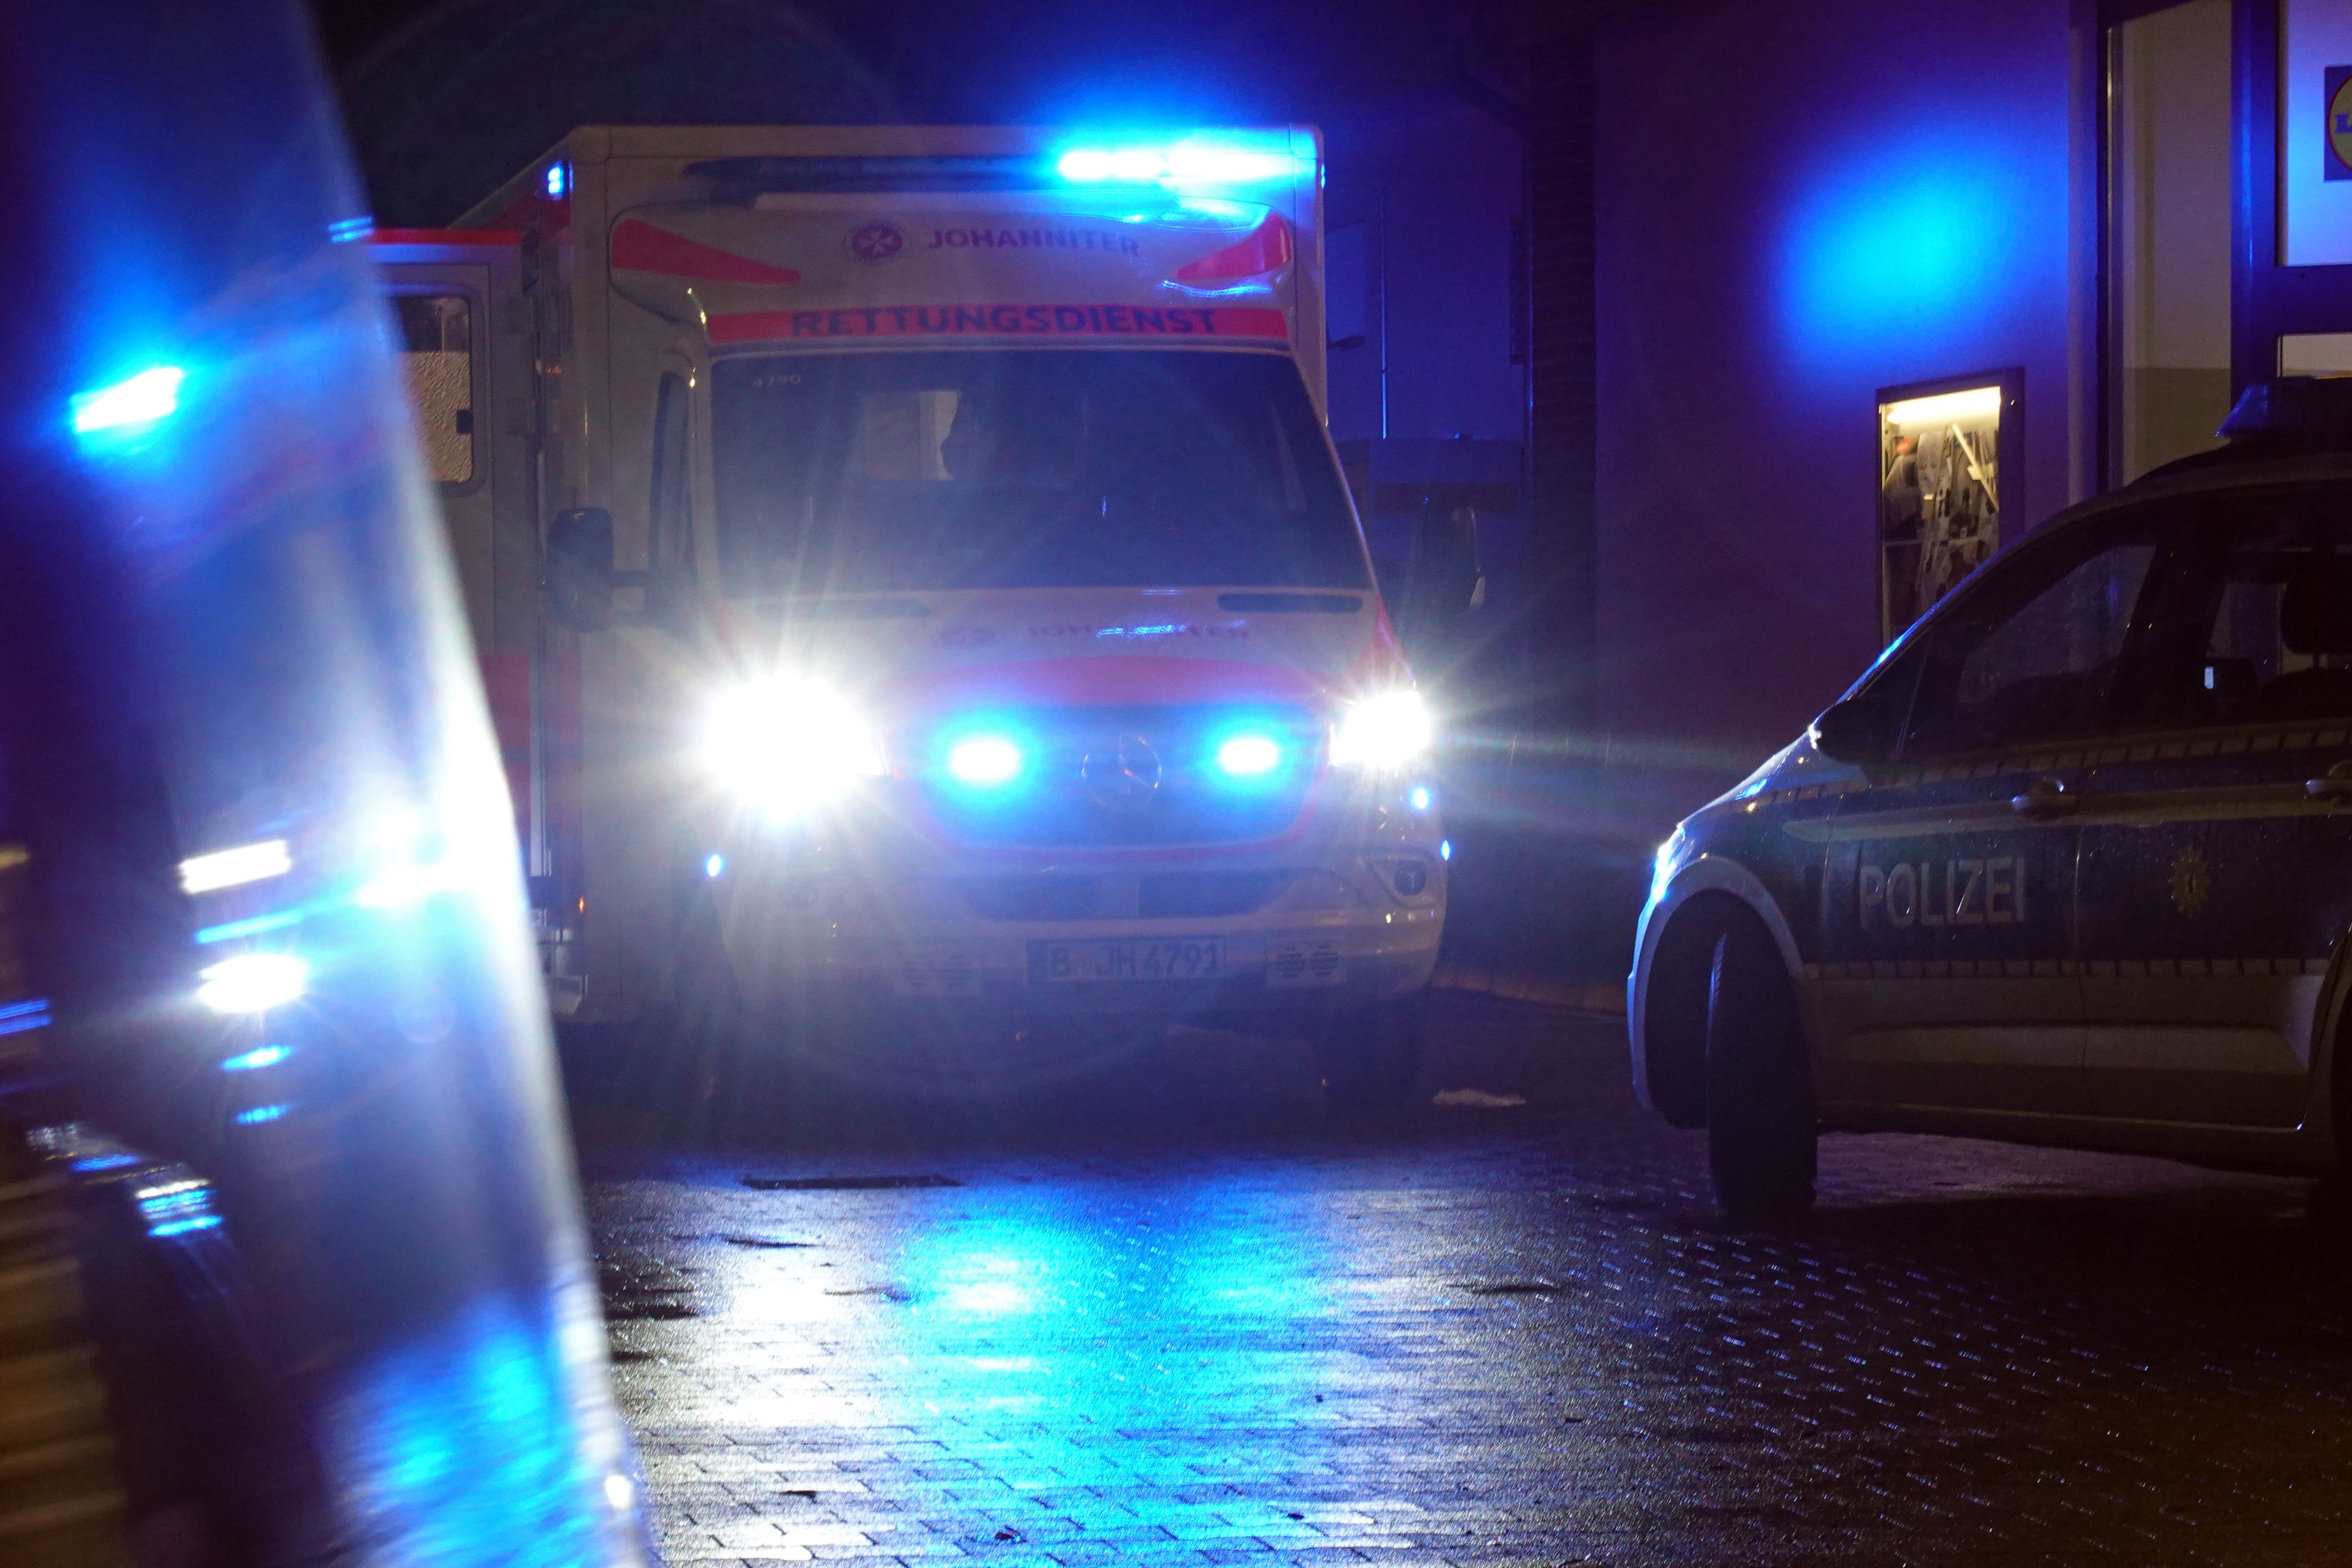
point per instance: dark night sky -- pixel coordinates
(447, 97)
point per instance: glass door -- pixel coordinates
(2167, 220)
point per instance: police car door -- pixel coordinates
(1948, 905)
(2217, 856)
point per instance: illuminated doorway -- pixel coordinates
(2168, 226)
(1947, 476)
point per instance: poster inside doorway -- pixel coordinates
(1939, 493)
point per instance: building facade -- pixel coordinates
(1831, 301)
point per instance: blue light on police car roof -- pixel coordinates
(1250, 756)
(984, 760)
(127, 406)
(558, 179)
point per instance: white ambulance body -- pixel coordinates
(984, 625)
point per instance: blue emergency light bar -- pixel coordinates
(1194, 163)
(2314, 410)
(1190, 164)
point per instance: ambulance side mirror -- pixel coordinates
(580, 576)
(1853, 731)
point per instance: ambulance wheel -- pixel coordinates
(1761, 1129)
(1369, 1058)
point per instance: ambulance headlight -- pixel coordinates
(787, 746)
(1381, 734)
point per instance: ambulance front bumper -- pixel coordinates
(1318, 938)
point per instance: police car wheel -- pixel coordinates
(1761, 1128)
(1369, 1058)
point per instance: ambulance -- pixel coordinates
(915, 585)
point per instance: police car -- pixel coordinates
(2071, 865)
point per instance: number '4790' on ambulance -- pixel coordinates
(912, 574)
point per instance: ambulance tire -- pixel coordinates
(1762, 1131)
(1370, 1057)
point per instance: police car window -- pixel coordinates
(1023, 468)
(2263, 615)
(2036, 657)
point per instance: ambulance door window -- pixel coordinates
(437, 352)
(669, 544)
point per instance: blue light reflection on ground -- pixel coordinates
(468, 1454)
(1054, 1308)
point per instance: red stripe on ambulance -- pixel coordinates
(638, 247)
(1171, 321)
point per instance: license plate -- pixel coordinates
(1164, 958)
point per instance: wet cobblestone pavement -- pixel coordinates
(1176, 1318)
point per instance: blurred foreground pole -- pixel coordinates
(264, 928)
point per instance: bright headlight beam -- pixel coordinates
(254, 982)
(788, 745)
(1249, 756)
(984, 759)
(1388, 731)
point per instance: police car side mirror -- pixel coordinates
(580, 576)
(1852, 731)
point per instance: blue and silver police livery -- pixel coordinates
(2071, 865)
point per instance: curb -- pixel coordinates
(1541, 988)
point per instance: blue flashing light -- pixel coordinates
(715, 867)
(1445, 849)
(1250, 756)
(232, 930)
(984, 761)
(256, 1060)
(114, 1162)
(1129, 166)
(345, 231)
(1190, 162)
(172, 1208)
(23, 1018)
(138, 403)
(1420, 797)
(558, 179)
(260, 1113)
(182, 1227)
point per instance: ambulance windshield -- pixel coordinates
(1023, 468)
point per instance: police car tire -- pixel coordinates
(1762, 1131)
(1369, 1058)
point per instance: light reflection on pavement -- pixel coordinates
(1176, 1317)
